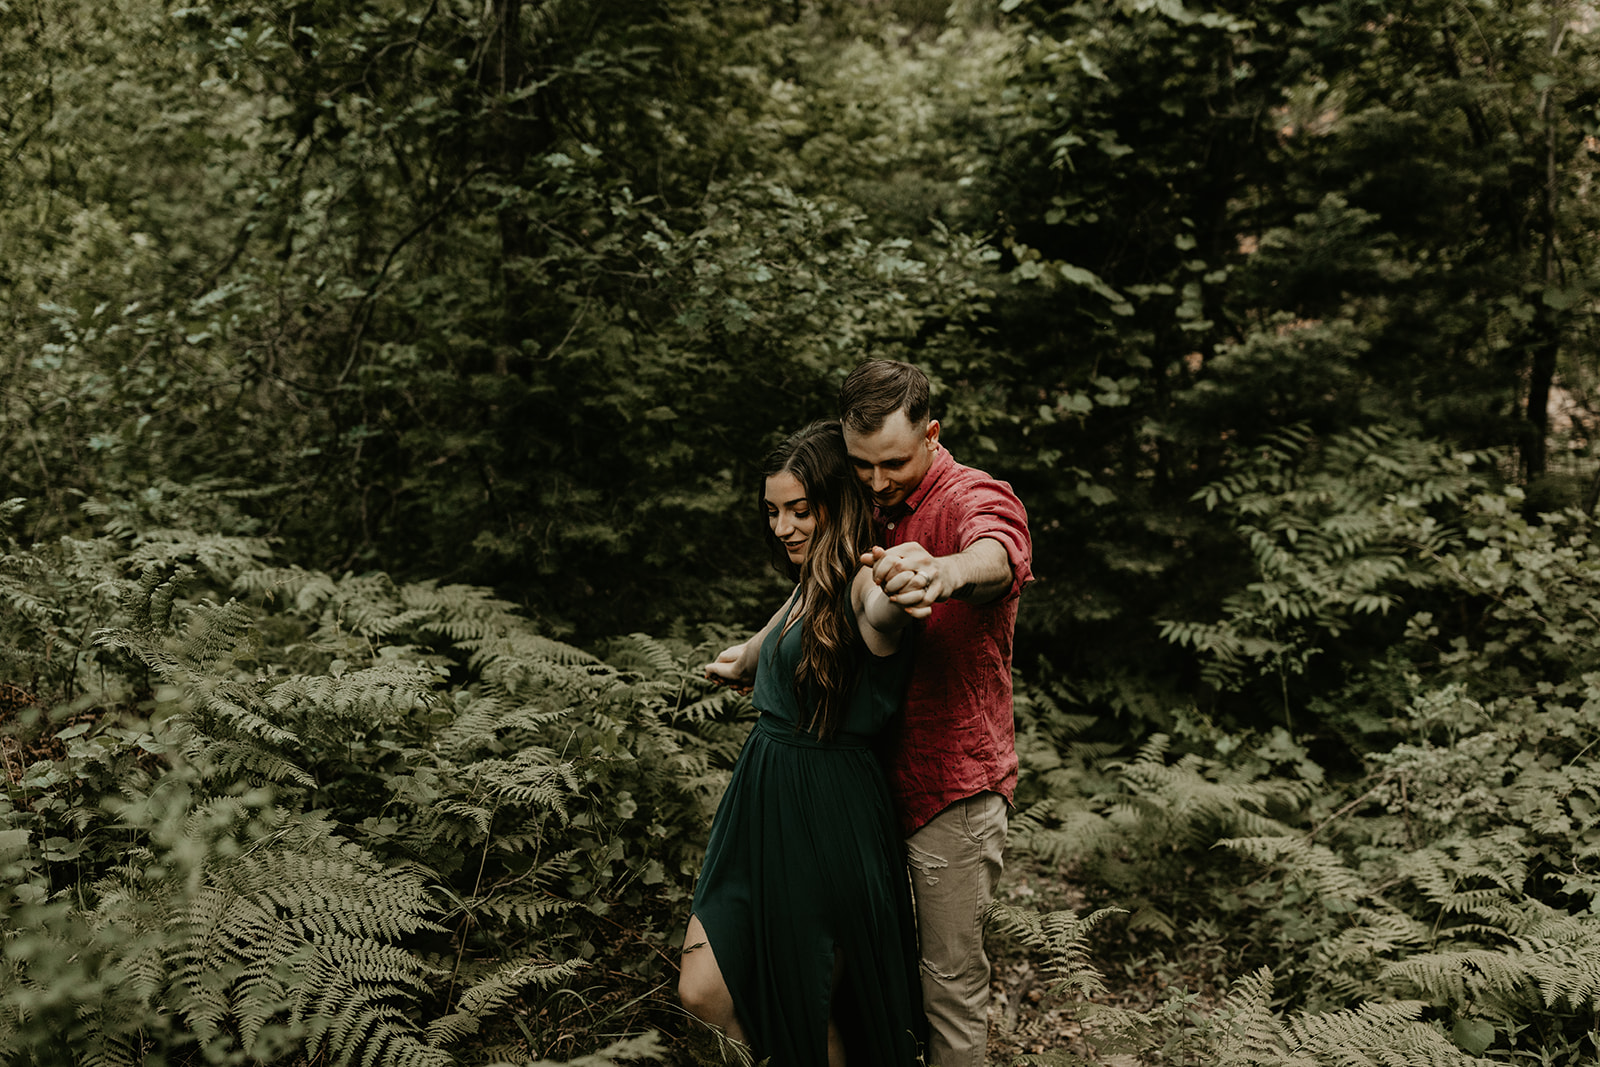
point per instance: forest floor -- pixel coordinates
(1026, 1018)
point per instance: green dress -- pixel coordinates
(805, 861)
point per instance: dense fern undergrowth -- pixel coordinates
(260, 814)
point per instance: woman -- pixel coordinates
(801, 942)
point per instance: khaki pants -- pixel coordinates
(955, 861)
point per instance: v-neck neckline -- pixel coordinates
(790, 619)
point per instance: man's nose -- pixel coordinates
(880, 481)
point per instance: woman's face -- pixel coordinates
(790, 515)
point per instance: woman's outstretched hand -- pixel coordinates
(725, 669)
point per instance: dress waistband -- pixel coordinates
(776, 728)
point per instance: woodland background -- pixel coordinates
(383, 386)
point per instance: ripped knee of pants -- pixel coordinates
(925, 863)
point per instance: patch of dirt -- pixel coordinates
(16, 753)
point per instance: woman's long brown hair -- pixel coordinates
(831, 648)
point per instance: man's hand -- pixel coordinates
(725, 669)
(909, 575)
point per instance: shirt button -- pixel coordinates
(891, 526)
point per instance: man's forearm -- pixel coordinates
(979, 574)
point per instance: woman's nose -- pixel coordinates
(782, 526)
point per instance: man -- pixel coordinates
(956, 539)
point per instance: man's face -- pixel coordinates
(893, 458)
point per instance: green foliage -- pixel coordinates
(1244, 1031)
(341, 817)
(1336, 529)
(1257, 304)
(1455, 875)
(462, 269)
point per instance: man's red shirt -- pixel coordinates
(957, 737)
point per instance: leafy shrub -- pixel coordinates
(335, 816)
(1449, 890)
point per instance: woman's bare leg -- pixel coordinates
(701, 986)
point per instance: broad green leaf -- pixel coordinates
(1473, 1035)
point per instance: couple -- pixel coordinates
(802, 941)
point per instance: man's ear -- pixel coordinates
(933, 434)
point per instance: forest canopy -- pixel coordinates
(372, 367)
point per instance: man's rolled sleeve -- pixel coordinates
(993, 511)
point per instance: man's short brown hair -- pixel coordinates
(877, 389)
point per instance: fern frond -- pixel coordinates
(110, 1049)
(226, 703)
(217, 554)
(642, 649)
(1455, 977)
(1377, 1035)
(530, 778)
(213, 632)
(302, 590)
(1199, 809)
(1469, 876)
(495, 990)
(1315, 866)
(1063, 936)
(1249, 1032)
(462, 601)
(491, 724)
(479, 817)
(147, 602)
(1057, 831)
(1374, 934)
(1566, 970)
(232, 759)
(24, 600)
(722, 704)
(526, 910)
(304, 928)
(521, 646)
(626, 1050)
(330, 705)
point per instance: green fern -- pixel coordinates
(1245, 1031)
(1556, 964)
(459, 767)
(1062, 830)
(1315, 866)
(301, 590)
(493, 991)
(1337, 528)
(1063, 937)
(305, 929)
(626, 1050)
(644, 653)
(721, 703)
(1198, 807)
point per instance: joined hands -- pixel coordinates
(911, 577)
